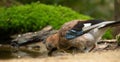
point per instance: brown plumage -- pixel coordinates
(58, 40)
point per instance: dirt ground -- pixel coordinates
(104, 56)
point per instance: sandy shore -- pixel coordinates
(104, 56)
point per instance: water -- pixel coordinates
(7, 52)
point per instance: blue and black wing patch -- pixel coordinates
(73, 34)
(77, 29)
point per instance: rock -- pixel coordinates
(33, 37)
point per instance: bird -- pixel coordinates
(91, 31)
(57, 40)
(81, 34)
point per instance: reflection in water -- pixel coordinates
(7, 52)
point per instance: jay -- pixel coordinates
(82, 35)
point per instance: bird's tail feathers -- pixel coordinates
(113, 24)
(102, 25)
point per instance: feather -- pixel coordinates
(84, 30)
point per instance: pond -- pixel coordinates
(8, 52)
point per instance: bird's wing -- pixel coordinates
(75, 33)
(99, 25)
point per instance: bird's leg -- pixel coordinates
(74, 51)
(92, 47)
(89, 49)
(51, 51)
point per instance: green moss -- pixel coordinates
(32, 17)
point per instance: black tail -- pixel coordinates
(114, 24)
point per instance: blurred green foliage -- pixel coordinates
(108, 34)
(99, 9)
(32, 17)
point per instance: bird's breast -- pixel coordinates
(89, 36)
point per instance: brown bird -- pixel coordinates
(82, 35)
